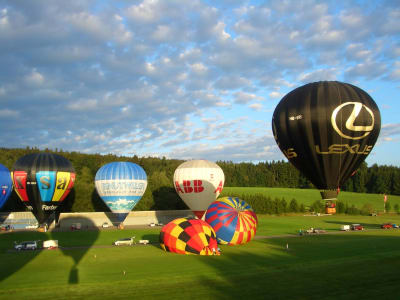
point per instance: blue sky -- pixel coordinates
(186, 79)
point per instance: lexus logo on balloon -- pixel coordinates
(364, 130)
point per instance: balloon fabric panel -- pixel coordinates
(61, 187)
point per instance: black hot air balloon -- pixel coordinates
(42, 181)
(326, 130)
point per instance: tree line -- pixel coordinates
(160, 193)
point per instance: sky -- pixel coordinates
(186, 79)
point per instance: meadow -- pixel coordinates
(277, 264)
(308, 196)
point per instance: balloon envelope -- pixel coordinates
(188, 236)
(43, 181)
(233, 220)
(5, 185)
(121, 185)
(198, 183)
(326, 130)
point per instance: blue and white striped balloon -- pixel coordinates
(121, 185)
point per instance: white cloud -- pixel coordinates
(319, 75)
(9, 114)
(275, 95)
(34, 78)
(242, 97)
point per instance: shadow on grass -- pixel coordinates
(70, 242)
(13, 259)
(350, 266)
(154, 239)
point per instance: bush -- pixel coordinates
(317, 207)
(353, 210)
(340, 207)
(367, 209)
(388, 207)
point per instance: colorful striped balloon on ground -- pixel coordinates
(189, 236)
(233, 220)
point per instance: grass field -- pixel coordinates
(308, 196)
(339, 265)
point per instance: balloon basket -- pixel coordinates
(330, 207)
(330, 210)
(121, 226)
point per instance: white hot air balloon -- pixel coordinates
(198, 183)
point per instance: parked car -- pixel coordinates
(105, 225)
(126, 241)
(387, 226)
(76, 226)
(356, 227)
(29, 245)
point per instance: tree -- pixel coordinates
(293, 206)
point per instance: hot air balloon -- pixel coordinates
(326, 130)
(189, 236)
(5, 185)
(233, 220)
(43, 181)
(121, 185)
(198, 183)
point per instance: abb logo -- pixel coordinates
(197, 187)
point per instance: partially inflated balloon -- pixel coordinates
(198, 183)
(326, 130)
(121, 185)
(189, 236)
(233, 220)
(5, 185)
(43, 181)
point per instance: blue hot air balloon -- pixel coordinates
(6, 185)
(121, 185)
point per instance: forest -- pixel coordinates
(160, 193)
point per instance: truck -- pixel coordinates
(345, 227)
(50, 244)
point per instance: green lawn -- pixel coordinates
(308, 196)
(349, 265)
